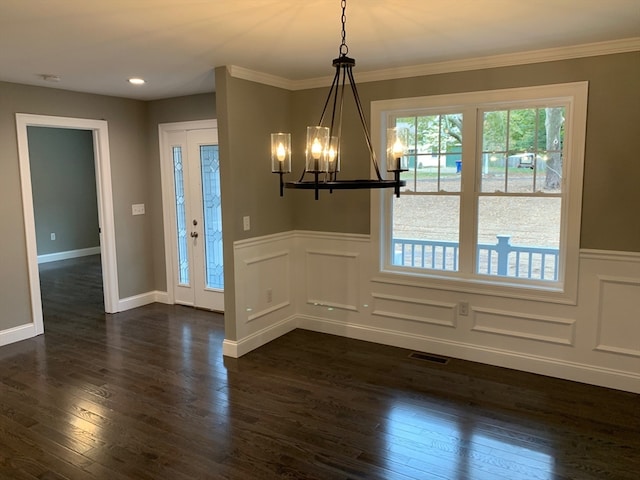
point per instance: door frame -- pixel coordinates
(166, 178)
(102, 161)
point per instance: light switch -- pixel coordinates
(137, 209)
(246, 222)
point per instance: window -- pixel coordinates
(493, 188)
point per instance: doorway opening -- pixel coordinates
(106, 232)
(63, 186)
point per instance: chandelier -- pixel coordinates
(324, 140)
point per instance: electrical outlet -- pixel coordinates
(463, 308)
(246, 223)
(137, 209)
(269, 295)
(53, 236)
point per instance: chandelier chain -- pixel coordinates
(344, 49)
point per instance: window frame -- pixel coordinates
(472, 105)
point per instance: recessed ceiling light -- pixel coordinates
(137, 81)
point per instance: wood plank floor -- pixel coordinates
(146, 394)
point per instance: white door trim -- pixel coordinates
(166, 177)
(105, 206)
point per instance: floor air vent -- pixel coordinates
(427, 357)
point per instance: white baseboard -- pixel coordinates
(54, 257)
(594, 375)
(141, 300)
(161, 297)
(17, 334)
(236, 349)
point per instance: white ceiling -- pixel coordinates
(94, 46)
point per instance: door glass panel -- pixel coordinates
(181, 217)
(212, 215)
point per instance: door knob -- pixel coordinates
(194, 234)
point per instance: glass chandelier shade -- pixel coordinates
(397, 141)
(281, 152)
(317, 150)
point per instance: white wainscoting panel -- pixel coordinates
(263, 289)
(415, 310)
(272, 292)
(524, 325)
(619, 315)
(330, 288)
(333, 279)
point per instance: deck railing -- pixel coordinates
(502, 258)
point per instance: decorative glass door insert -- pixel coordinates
(197, 247)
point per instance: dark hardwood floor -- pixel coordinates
(147, 394)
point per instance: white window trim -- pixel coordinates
(565, 291)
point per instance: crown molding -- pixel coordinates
(259, 77)
(535, 56)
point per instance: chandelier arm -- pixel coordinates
(372, 153)
(340, 107)
(337, 106)
(334, 86)
(324, 109)
(335, 89)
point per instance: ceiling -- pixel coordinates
(95, 46)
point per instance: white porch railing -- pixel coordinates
(502, 258)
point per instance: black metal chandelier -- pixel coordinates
(324, 142)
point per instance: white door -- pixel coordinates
(197, 273)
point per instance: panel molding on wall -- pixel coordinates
(330, 277)
(524, 325)
(269, 265)
(618, 315)
(264, 290)
(416, 310)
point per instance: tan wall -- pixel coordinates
(612, 163)
(180, 109)
(248, 113)
(63, 185)
(129, 168)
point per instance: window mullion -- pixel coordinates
(468, 202)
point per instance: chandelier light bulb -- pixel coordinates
(398, 148)
(316, 149)
(332, 154)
